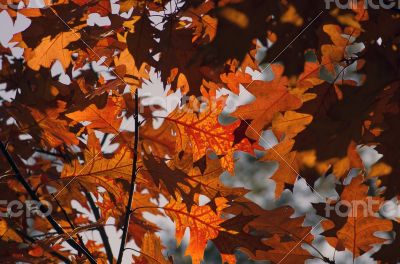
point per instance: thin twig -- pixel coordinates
(42, 207)
(133, 179)
(51, 251)
(70, 223)
(101, 229)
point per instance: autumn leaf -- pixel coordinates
(233, 80)
(358, 234)
(290, 124)
(203, 132)
(52, 49)
(324, 85)
(333, 53)
(106, 119)
(271, 98)
(54, 129)
(151, 251)
(287, 162)
(202, 222)
(100, 171)
(277, 228)
(174, 180)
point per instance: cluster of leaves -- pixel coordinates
(335, 88)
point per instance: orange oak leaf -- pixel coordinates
(150, 251)
(271, 98)
(358, 233)
(158, 141)
(175, 181)
(55, 130)
(280, 250)
(277, 228)
(98, 170)
(202, 221)
(333, 53)
(107, 119)
(290, 124)
(233, 80)
(287, 164)
(203, 132)
(51, 49)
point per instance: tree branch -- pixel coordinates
(71, 224)
(133, 179)
(51, 251)
(42, 207)
(102, 231)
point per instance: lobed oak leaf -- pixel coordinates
(288, 164)
(357, 234)
(99, 171)
(280, 249)
(151, 251)
(158, 141)
(332, 54)
(132, 72)
(206, 172)
(174, 180)
(54, 130)
(277, 228)
(235, 237)
(290, 124)
(210, 25)
(142, 40)
(202, 221)
(309, 78)
(178, 54)
(204, 25)
(233, 80)
(203, 132)
(106, 119)
(51, 49)
(271, 98)
(138, 227)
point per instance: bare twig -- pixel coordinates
(133, 179)
(42, 207)
(70, 223)
(102, 231)
(51, 251)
